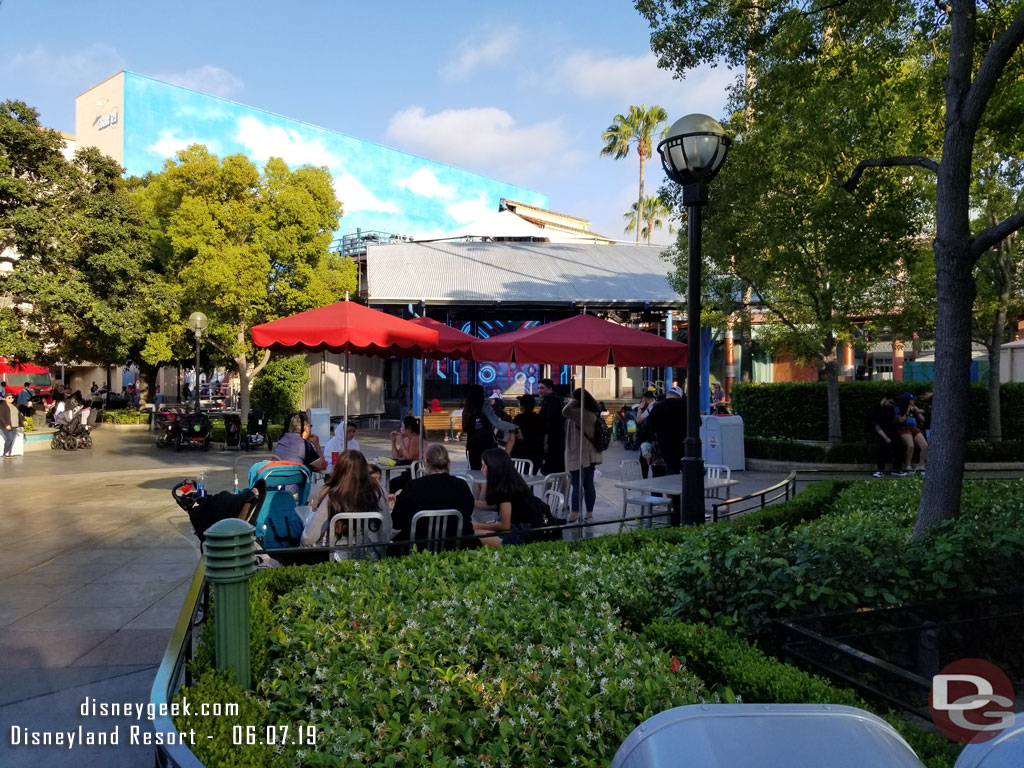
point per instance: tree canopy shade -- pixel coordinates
(639, 127)
(245, 246)
(921, 83)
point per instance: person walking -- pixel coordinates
(668, 425)
(643, 430)
(582, 408)
(11, 419)
(551, 406)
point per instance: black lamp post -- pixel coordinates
(198, 322)
(692, 154)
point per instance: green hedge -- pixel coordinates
(127, 416)
(778, 449)
(738, 669)
(526, 654)
(798, 410)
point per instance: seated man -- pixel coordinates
(299, 444)
(437, 489)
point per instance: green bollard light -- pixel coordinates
(230, 563)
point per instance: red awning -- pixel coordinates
(582, 340)
(346, 327)
(451, 342)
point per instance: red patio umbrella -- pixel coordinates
(450, 341)
(346, 327)
(582, 340)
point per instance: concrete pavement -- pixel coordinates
(96, 561)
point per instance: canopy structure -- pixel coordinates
(451, 342)
(346, 327)
(582, 340)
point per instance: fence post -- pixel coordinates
(230, 563)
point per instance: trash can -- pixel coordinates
(1004, 751)
(765, 736)
(232, 430)
(722, 437)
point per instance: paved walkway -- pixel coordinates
(97, 559)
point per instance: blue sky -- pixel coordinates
(519, 93)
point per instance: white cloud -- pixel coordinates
(263, 141)
(356, 197)
(484, 138)
(468, 211)
(169, 144)
(87, 66)
(480, 51)
(637, 79)
(424, 183)
(208, 78)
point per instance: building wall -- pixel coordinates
(380, 188)
(100, 117)
(784, 368)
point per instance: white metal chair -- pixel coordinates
(629, 469)
(359, 532)
(523, 466)
(556, 501)
(417, 470)
(469, 481)
(557, 481)
(436, 523)
(716, 472)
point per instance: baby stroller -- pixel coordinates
(194, 431)
(204, 511)
(625, 428)
(168, 426)
(279, 524)
(256, 431)
(74, 428)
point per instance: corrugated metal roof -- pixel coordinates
(485, 274)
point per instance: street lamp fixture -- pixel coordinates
(692, 154)
(198, 322)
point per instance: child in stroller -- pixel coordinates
(74, 426)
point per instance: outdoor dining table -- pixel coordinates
(671, 485)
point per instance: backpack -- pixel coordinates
(602, 438)
(540, 517)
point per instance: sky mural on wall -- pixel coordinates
(380, 188)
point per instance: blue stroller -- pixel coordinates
(278, 524)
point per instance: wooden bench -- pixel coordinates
(437, 422)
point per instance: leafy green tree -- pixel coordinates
(950, 72)
(639, 127)
(82, 273)
(244, 247)
(999, 190)
(655, 214)
(278, 390)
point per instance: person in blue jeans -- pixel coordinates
(582, 407)
(10, 420)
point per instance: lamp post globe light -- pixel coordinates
(692, 154)
(198, 322)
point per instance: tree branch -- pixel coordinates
(770, 306)
(991, 70)
(996, 234)
(887, 162)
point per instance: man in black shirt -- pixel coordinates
(668, 424)
(435, 490)
(530, 443)
(880, 427)
(554, 436)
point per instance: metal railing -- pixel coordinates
(781, 491)
(173, 672)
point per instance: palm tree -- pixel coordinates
(655, 213)
(638, 127)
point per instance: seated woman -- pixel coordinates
(437, 489)
(508, 494)
(349, 489)
(405, 449)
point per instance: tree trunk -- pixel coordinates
(245, 376)
(640, 199)
(147, 382)
(1002, 254)
(831, 365)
